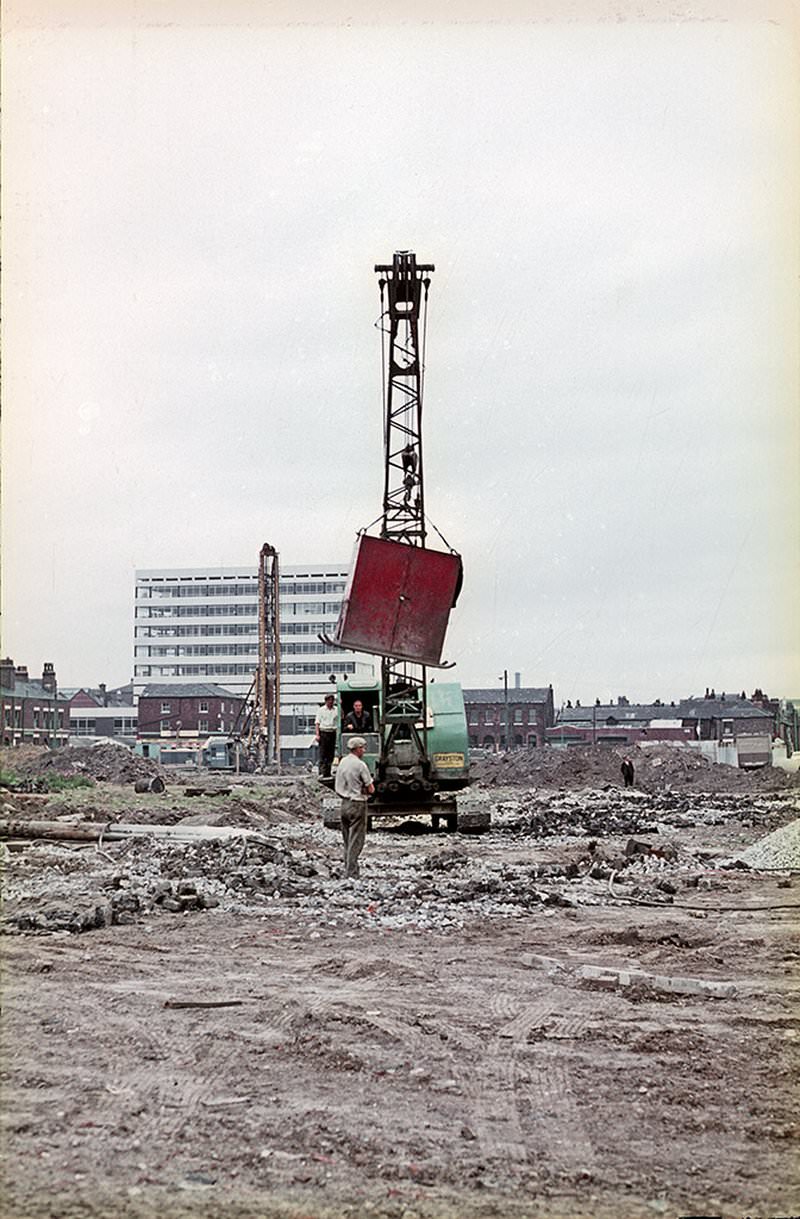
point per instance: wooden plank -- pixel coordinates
(92, 831)
(204, 1003)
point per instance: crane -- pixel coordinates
(404, 286)
(258, 733)
(400, 592)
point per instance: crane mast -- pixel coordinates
(404, 282)
(400, 593)
(259, 726)
(404, 286)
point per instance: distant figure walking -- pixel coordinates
(354, 784)
(627, 772)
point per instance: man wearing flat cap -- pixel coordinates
(354, 784)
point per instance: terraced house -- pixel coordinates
(32, 711)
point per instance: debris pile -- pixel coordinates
(780, 849)
(600, 813)
(262, 851)
(108, 762)
(656, 766)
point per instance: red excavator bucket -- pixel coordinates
(398, 600)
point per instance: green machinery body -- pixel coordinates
(409, 779)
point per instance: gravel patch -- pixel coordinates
(780, 849)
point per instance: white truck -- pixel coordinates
(754, 749)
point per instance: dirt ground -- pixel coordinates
(507, 1025)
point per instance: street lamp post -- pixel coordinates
(504, 680)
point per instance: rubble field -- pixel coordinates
(591, 1010)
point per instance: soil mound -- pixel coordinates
(108, 762)
(655, 766)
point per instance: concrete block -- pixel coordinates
(609, 976)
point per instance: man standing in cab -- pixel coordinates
(325, 731)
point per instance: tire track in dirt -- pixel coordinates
(554, 1114)
(522, 1098)
(168, 1068)
(495, 1087)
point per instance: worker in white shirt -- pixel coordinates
(325, 730)
(354, 784)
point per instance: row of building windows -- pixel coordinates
(196, 611)
(199, 649)
(489, 742)
(235, 670)
(494, 715)
(168, 728)
(185, 632)
(231, 649)
(308, 648)
(341, 667)
(46, 718)
(161, 592)
(87, 727)
(288, 589)
(296, 724)
(294, 609)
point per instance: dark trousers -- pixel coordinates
(327, 748)
(354, 831)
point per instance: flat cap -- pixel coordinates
(355, 742)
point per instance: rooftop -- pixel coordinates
(516, 694)
(730, 707)
(197, 689)
(33, 689)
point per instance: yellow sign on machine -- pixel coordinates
(448, 761)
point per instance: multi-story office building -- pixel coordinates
(201, 624)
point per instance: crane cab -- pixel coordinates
(415, 767)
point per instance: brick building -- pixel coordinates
(96, 711)
(619, 723)
(32, 711)
(187, 711)
(530, 714)
(715, 717)
(724, 717)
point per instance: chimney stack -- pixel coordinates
(517, 681)
(21, 672)
(103, 693)
(7, 673)
(49, 677)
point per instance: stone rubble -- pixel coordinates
(584, 847)
(778, 850)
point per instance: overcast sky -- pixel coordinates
(192, 210)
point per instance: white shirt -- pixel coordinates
(352, 777)
(327, 719)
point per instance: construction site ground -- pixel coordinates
(589, 1011)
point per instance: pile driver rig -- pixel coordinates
(258, 736)
(404, 286)
(400, 592)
